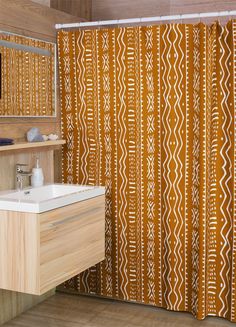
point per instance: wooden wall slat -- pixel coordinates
(43, 2)
(32, 19)
(80, 8)
(107, 9)
(119, 9)
(196, 6)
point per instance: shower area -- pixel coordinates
(149, 112)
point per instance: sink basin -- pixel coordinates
(47, 197)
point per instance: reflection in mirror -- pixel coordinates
(27, 83)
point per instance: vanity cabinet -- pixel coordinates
(39, 251)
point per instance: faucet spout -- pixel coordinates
(20, 174)
(19, 182)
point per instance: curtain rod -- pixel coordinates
(148, 19)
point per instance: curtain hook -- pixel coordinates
(181, 18)
(199, 16)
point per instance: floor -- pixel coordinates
(81, 311)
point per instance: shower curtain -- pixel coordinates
(149, 112)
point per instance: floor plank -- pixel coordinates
(64, 310)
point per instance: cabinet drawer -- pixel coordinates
(71, 240)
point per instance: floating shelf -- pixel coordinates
(31, 145)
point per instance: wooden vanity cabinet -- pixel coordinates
(40, 251)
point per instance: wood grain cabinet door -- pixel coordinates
(72, 239)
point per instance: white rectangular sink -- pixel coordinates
(47, 197)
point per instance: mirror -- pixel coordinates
(27, 77)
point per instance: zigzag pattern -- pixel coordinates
(226, 179)
(196, 171)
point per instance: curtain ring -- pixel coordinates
(161, 20)
(219, 18)
(140, 22)
(99, 25)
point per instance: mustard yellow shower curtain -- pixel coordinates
(149, 112)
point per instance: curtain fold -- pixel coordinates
(149, 112)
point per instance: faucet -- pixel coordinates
(20, 174)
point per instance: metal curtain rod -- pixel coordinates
(148, 19)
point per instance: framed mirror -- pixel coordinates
(28, 77)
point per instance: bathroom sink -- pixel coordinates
(47, 197)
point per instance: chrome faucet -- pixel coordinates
(20, 174)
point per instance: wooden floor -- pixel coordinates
(62, 310)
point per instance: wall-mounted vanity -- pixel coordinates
(49, 234)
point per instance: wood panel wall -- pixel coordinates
(119, 9)
(43, 2)
(35, 20)
(80, 8)
(31, 19)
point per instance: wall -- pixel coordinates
(118, 9)
(43, 2)
(35, 20)
(80, 8)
